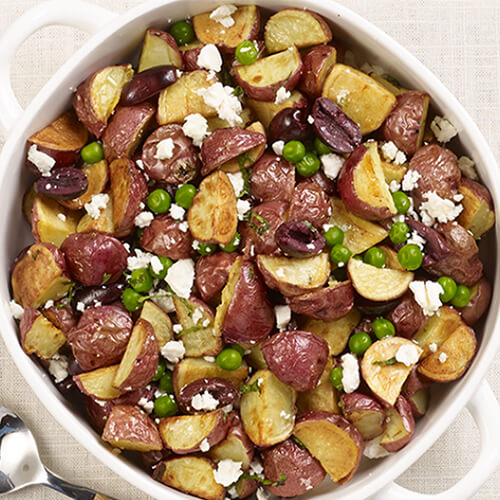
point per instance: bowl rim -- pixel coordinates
(337, 14)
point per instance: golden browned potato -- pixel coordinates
(159, 49)
(98, 383)
(159, 320)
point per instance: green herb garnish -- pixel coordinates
(386, 362)
(263, 224)
(253, 387)
(265, 481)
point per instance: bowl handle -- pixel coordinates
(76, 13)
(485, 410)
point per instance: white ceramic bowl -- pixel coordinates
(115, 37)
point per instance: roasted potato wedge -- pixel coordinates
(98, 384)
(103, 223)
(400, 426)
(159, 49)
(407, 317)
(190, 399)
(159, 320)
(480, 297)
(318, 62)
(365, 413)
(212, 272)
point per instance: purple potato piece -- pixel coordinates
(334, 127)
(148, 84)
(299, 239)
(104, 294)
(220, 389)
(290, 124)
(65, 183)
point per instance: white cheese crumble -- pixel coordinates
(400, 158)
(410, 180)
(223, 14)
(310, 119)
(278, 147)
(140, 164)
(283, 316)
(97, 203)
(373, 449)
(165, 302)
(173, 351)
(180, 277)
(196, 128)
(58, 367)
(427, 294)
(227, 472)
(433, 347)
(209, 359)
(177, 212)
(177, 328)
(256, 467)
(144, 219)
(184, 226)
(16, 309)
(140, 260)
(468, 168)
(243, 207)
(394, 186)
(48, 304)
(389, 150)
(210, 58)
(156, 264)
(204, 446)
(232, 492)
(165, 149)
(442, 129)
(222, 99)
(237, 182)
(204, 401)
(407, 354)
(282, 95)
(146, 404)
(197, 315)
(262, 494)
(331, 163)
(42, 161)
(443, 357)
(195, 245)
(416, 239)
(61, 216)
(350, 373)
(80, 307)
(437, 208)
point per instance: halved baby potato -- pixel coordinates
(159, 320)
(103, 224)
(159, 49)
(98, 383)
(400, 426)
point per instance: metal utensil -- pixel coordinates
(20, 463)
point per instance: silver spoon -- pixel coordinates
(20, 463)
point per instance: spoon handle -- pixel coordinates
(72, 490)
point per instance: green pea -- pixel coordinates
(182, 31)
(141, 281)
(229, 359)
(462, 296)
(449, 288)
(167, 382)
(207, 248)
(308, 166)
(131, 299)
(320, 147)
(160, 370)
(246, 52)
(334, 236)
(340, 254)
(233, 244)
(359, 342)
(159, 201)
(184, 195)
(399, 233)
(294, 151)
(336, 378)
(410, 257)
(401, 201)
(375, 257)
(166, 263)
(92, 153)
(383, 328)
(165, 406)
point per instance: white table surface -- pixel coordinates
(459, 40)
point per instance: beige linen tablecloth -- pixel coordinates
(459, 40)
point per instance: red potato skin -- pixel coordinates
(126, 129)
(29, 317)
(326, 304)
(184, 165)
(164, 237)
(91, 256)
(101, 336)
(414, 383)
(314, 61)
(212, 272)
(273, 179)
(190, 58)
(407, 317)
(62, 317)
(326, 184)
(297, 358)
(221, 389)
(224, 144)
(302, 471)
(250, 315)
(274, 213)
(356, 403)
(404, 410)
(310, 203)
(478, 304)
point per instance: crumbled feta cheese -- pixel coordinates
(183, 226)
(197, 315)
(97, 203)
(443, 130)
(227, 472)
(204, 401)
(278, 147)
(173, 351)
(427, 295)
(243, 207)
(210, 58)
(180, 277)
(42, 161)
(196, 128)
(165, 149)
(283, 316)
(237, 182)
(310, 119)
(400, 158)
(156, 264)
(306, 482)
(205, 323)
(282, 95)
(146, 404)
(256, 467)
(80, 307)
(222, 99)
(195, 245)
(223, 15)
(16, 309)
(389, 150)
(58, 367)
(398, 218)
(140, 164)
(437, 208)
(332, 163)
(232, 492)
(140, 260)
(416, 239)
(144, 219)
(468, 168)
(177, 212)
(443, 357)
(48, 304)
(373, 449)
(394, 186)
(410, 180)
(433, 347)
(177, 328)
(163, 301)
(350, 373)
(209, 359)
(204, 446)
(407, 354)
(61, 216)
(262, 494)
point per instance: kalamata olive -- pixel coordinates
(299, 239)
(104, 294)
(63, 183)
(334, 127)
(289, 124)
(220, 389)
(147, 84)
(66, 386)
